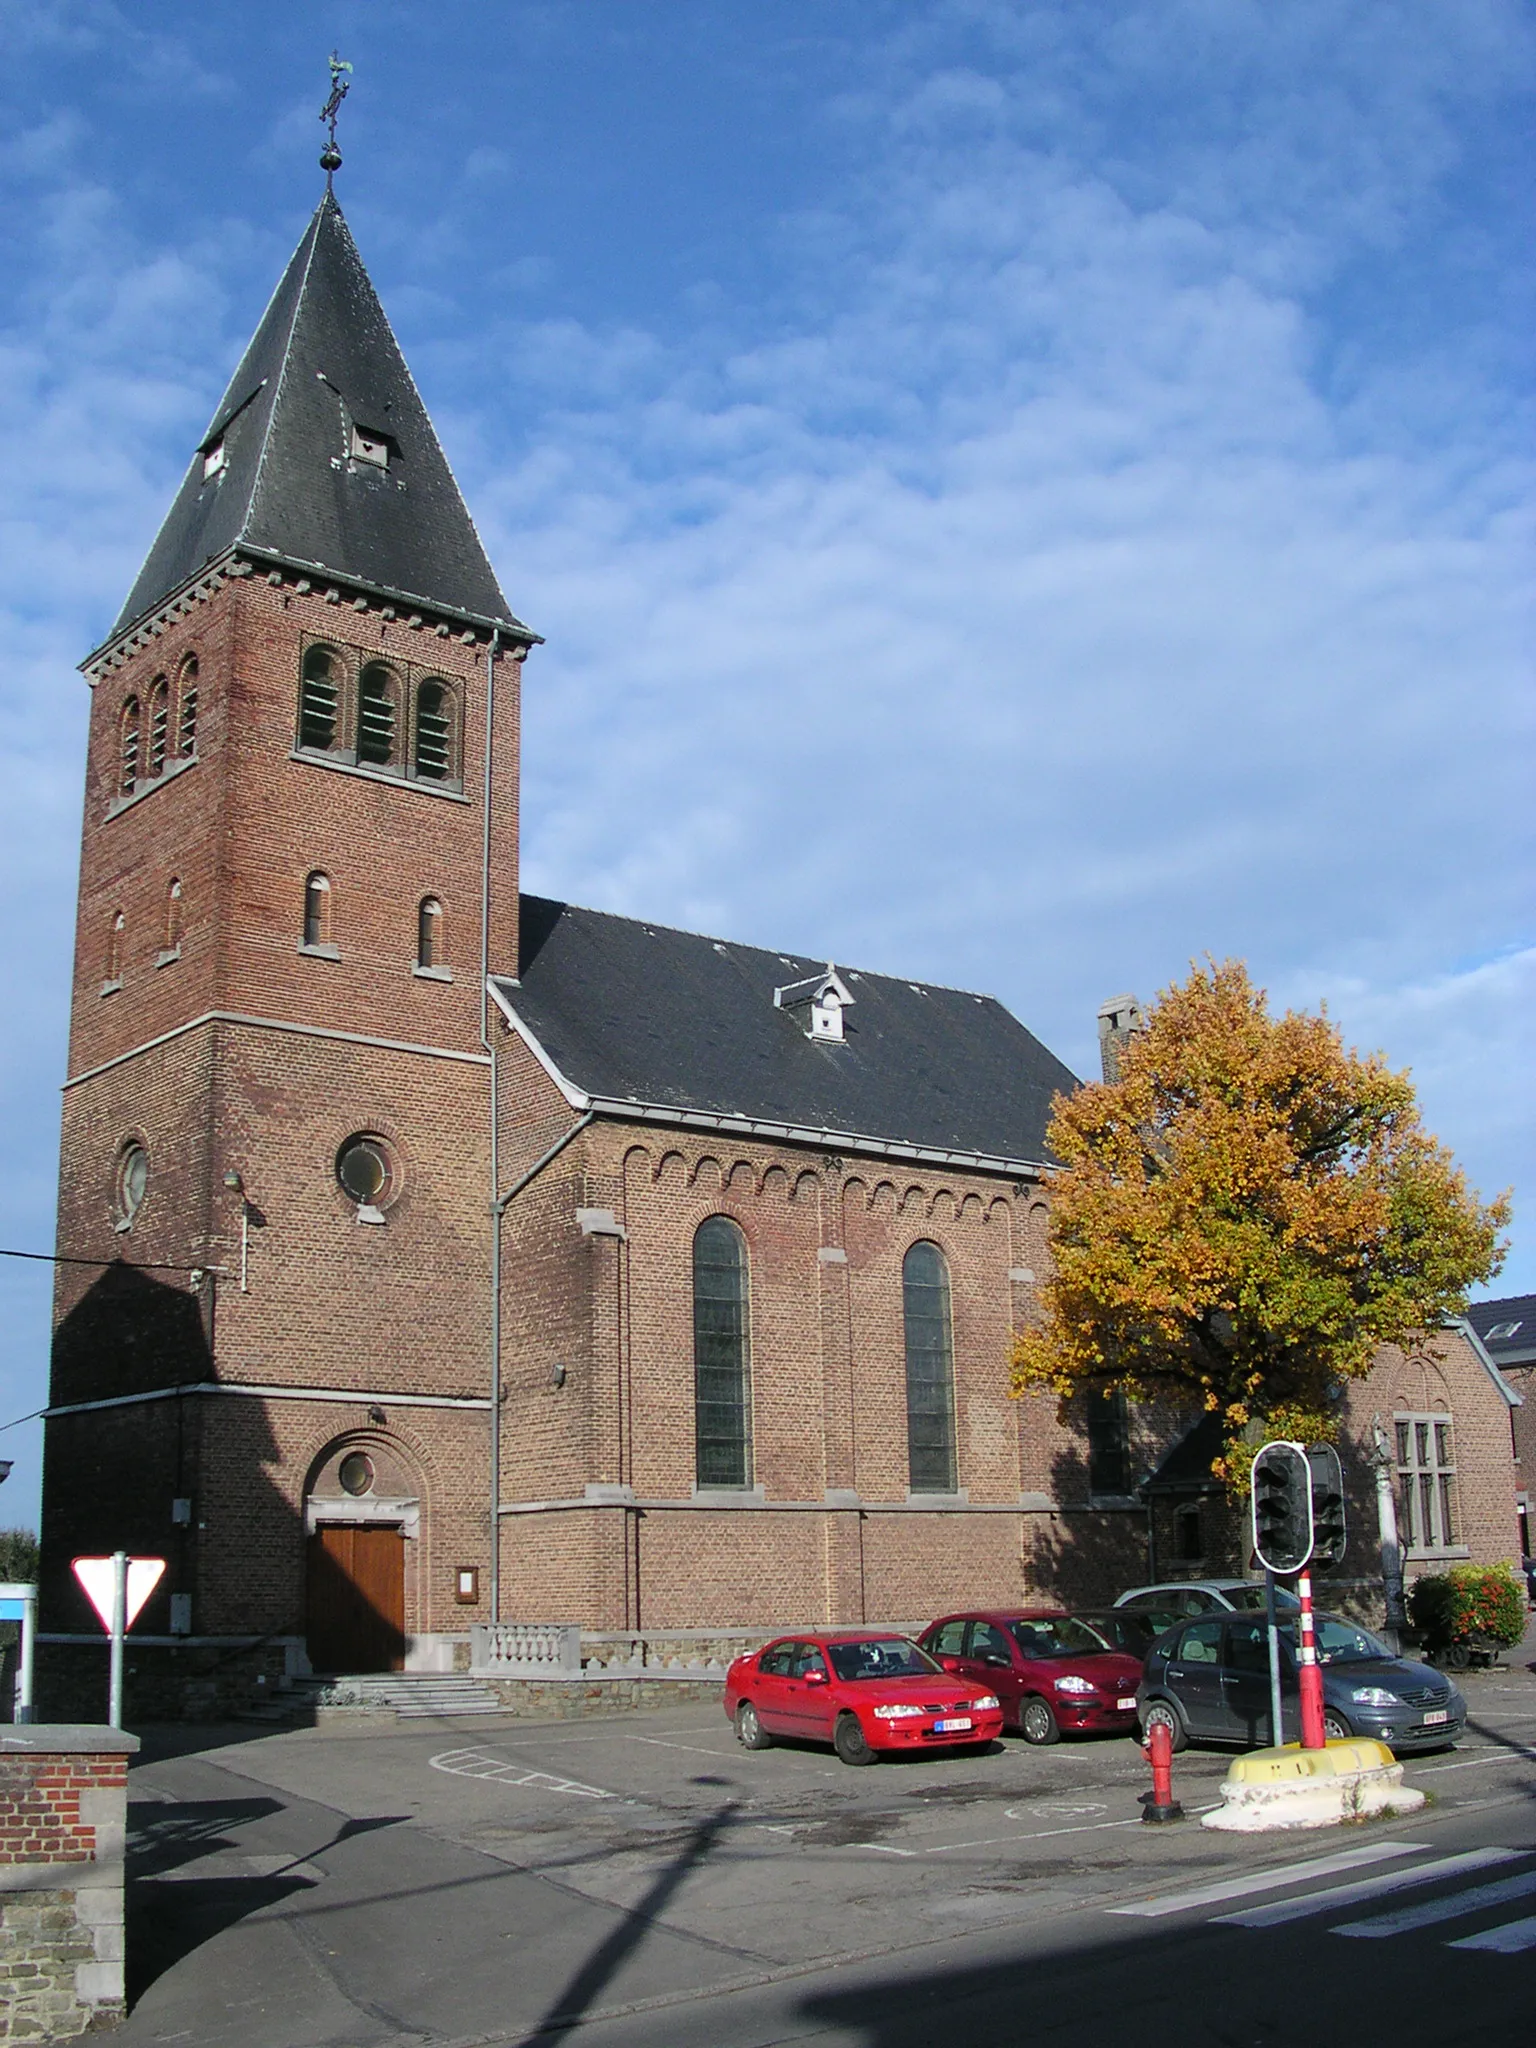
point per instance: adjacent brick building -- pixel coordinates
(413, 1210)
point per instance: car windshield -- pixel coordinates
(880, 1657)
(1061, 1636)
(1339, 1642)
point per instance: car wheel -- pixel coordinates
(1037, 1724)
(850, 1741)
(750, 1732)
(1163, 1713)
(1336, 1728)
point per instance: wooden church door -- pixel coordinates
(356, 1616)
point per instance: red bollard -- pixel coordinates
(1314, 1735)
(1159, 1804)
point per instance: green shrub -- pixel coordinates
(1469, 1599)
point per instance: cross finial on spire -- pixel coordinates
(341, 85)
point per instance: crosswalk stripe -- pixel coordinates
(1508, 1940)
(1433, 1911)
(1278, 1914)
(1269, 1880)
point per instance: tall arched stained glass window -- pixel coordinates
(930, 1370)
(722, 1374)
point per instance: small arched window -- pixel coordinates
(173, 918)
(114, 961)
(722, 1375)
(930, 1370)
(429, 933)
(317, 909)
(320, 700)
(435, 756)
(128, 748)
(378, 715)
(186, 713)
(159, 726)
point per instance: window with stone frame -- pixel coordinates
(378, 716)
(320, 700)
(317, 911)
(429, 934)
(930, 1359)
(722, 1355)
(1426, 1482)
(435, 753)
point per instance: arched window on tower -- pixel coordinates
(317, 913)
(320, 700)
(429, 935)
(930, 1370)
(722, 1374)
(186, 710)
(171, 949)
(435, 755)
(378, 716)
(113, 978)
(159, 725)
(128, 748)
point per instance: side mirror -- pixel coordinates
(815, 1677)
(950, 1664)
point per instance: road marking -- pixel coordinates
(884, 1849)
(1268, 1880)
(1092, 1827)
(1493, 1756)
(1509, 1940)
(1369, 1888)
(1059, 1811)
(474, 1763)
(695, 1748)
(1435, 1910)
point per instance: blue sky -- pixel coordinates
(1021, 495)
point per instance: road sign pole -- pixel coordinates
(119, 1630)
(1313, 1734)
(1276, 1722)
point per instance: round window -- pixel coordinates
(356, 1473)
(363, 1169)
(132, 1180)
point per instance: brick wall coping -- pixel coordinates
(724, 1504)
(67, 1738)
(276, 1390)
(436, 1052)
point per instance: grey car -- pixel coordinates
(1205, 1596)
(1208, 1679)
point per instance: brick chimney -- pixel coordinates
(1118, 1018)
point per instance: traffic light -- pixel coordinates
(1329, 1531)
(1282, 1508)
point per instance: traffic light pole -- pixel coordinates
(1313, 1733)
(1276, 1722)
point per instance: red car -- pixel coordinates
(1053, 1674)
(859, 1690)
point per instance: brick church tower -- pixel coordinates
(299, 859)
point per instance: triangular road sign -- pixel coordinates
(95, 1575)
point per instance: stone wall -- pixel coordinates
(63, 1813)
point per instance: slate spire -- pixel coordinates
(321, 455)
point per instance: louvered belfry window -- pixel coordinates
(378, 698)
(128, 748)
(319, 700)
(434, 732)
(721, 1355)
(159, 726)
(930, 1370)
(186, 729)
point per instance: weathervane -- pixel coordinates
(330, 156)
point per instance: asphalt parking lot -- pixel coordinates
(476, 1881)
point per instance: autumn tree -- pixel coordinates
(1244, 1215)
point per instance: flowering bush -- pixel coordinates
(1469, 1600)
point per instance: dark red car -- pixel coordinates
(1053, 1674)
(860, 1690)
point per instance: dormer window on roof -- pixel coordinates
(817, 1003)
(369, 446)
(214, 459)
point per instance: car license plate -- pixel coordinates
(1440, 1714)
(951, 1727)
(1127, 1706)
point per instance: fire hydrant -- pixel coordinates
(1159, 1804)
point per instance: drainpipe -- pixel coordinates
(491, 652)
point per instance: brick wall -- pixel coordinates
(62, 1818)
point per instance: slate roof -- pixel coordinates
(1518, 1346)
(323, 359)
(641, 1019)
(1187, 1466)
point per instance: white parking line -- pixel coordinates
(1512, 1939)
(474, 1763)
(1286, 1910)
(1268, 1880)
(1492, 1756)
(697, 1749)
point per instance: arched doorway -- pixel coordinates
(362, 1509)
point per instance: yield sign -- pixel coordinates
(95, 1575)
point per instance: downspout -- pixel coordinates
(495, 1113)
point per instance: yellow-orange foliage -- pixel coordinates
(1246, 1214)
